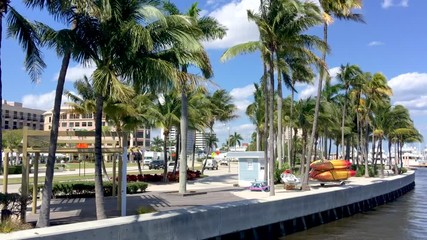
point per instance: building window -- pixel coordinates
(7, 113)
(34, 126)
(77, 124)
(71, 124)
(83, 124)
(64, 124)
(50, 119)
(103, 123)
(89, 124)
(28, 124)
(250, 164)
(63, 116)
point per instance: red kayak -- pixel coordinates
(332, 175)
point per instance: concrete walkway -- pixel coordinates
(218, 188)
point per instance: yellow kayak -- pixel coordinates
(324, 165)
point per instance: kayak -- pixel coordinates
(332, 175)
(324, 165)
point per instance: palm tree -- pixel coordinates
(234, 140)
(341, 9)
(169, 107)
(209, 29)
(256, 114)
(211, 142)
(68, 43)
(157, 144)
(347, 76)
(377, 94)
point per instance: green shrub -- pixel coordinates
(13, 225)
(403, 170)
(73, 189)
(15, 169)
(360, 171)
(145, 209)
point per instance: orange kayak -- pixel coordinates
(332, 175)
(324, 165)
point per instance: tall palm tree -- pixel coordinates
(210, 29)
(341, 9)
(66, 44)
(377, 94)
(169, 106)
(347, 76)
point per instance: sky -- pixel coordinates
(392, 41)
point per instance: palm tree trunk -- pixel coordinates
(165, 154)
(316, 112)
(343, 123)
(374, 161)
(1, 92)
(194, 151)
(177, 149)
(184, 129)
(365, 149)
(44, 216)
(99, 190)
(271, 125)
(381, 155)
(279, 117)
(266, 100)
(291, 163)
(258, 142)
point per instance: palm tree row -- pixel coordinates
(161, 45)
(356, 108)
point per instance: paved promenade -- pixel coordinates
(217, 188)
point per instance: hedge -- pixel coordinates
(87, 189)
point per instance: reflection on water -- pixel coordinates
(404, 218)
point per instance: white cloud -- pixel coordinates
(234, 16)
(404, 3)
(311, 90)
(77, 72)
(242, 97)
(375, 43)
(387, 3)
(409, 90)
(43, 101)
(391, 3)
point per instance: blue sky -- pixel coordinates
(392, 42)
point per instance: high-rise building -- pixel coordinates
(15, 116)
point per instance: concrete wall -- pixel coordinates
(210, 221)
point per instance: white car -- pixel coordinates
(211, 164)
(171, 166)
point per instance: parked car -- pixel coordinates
(259, 186)
(171, 166)
(224, 162)
(156, 164)
(211, 164)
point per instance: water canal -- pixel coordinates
(404, 218)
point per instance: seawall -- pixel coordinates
(247, 219)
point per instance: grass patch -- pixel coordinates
(13, 225)
(145, 209)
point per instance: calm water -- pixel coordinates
(405, 218)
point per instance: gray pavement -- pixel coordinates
(218, 187)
